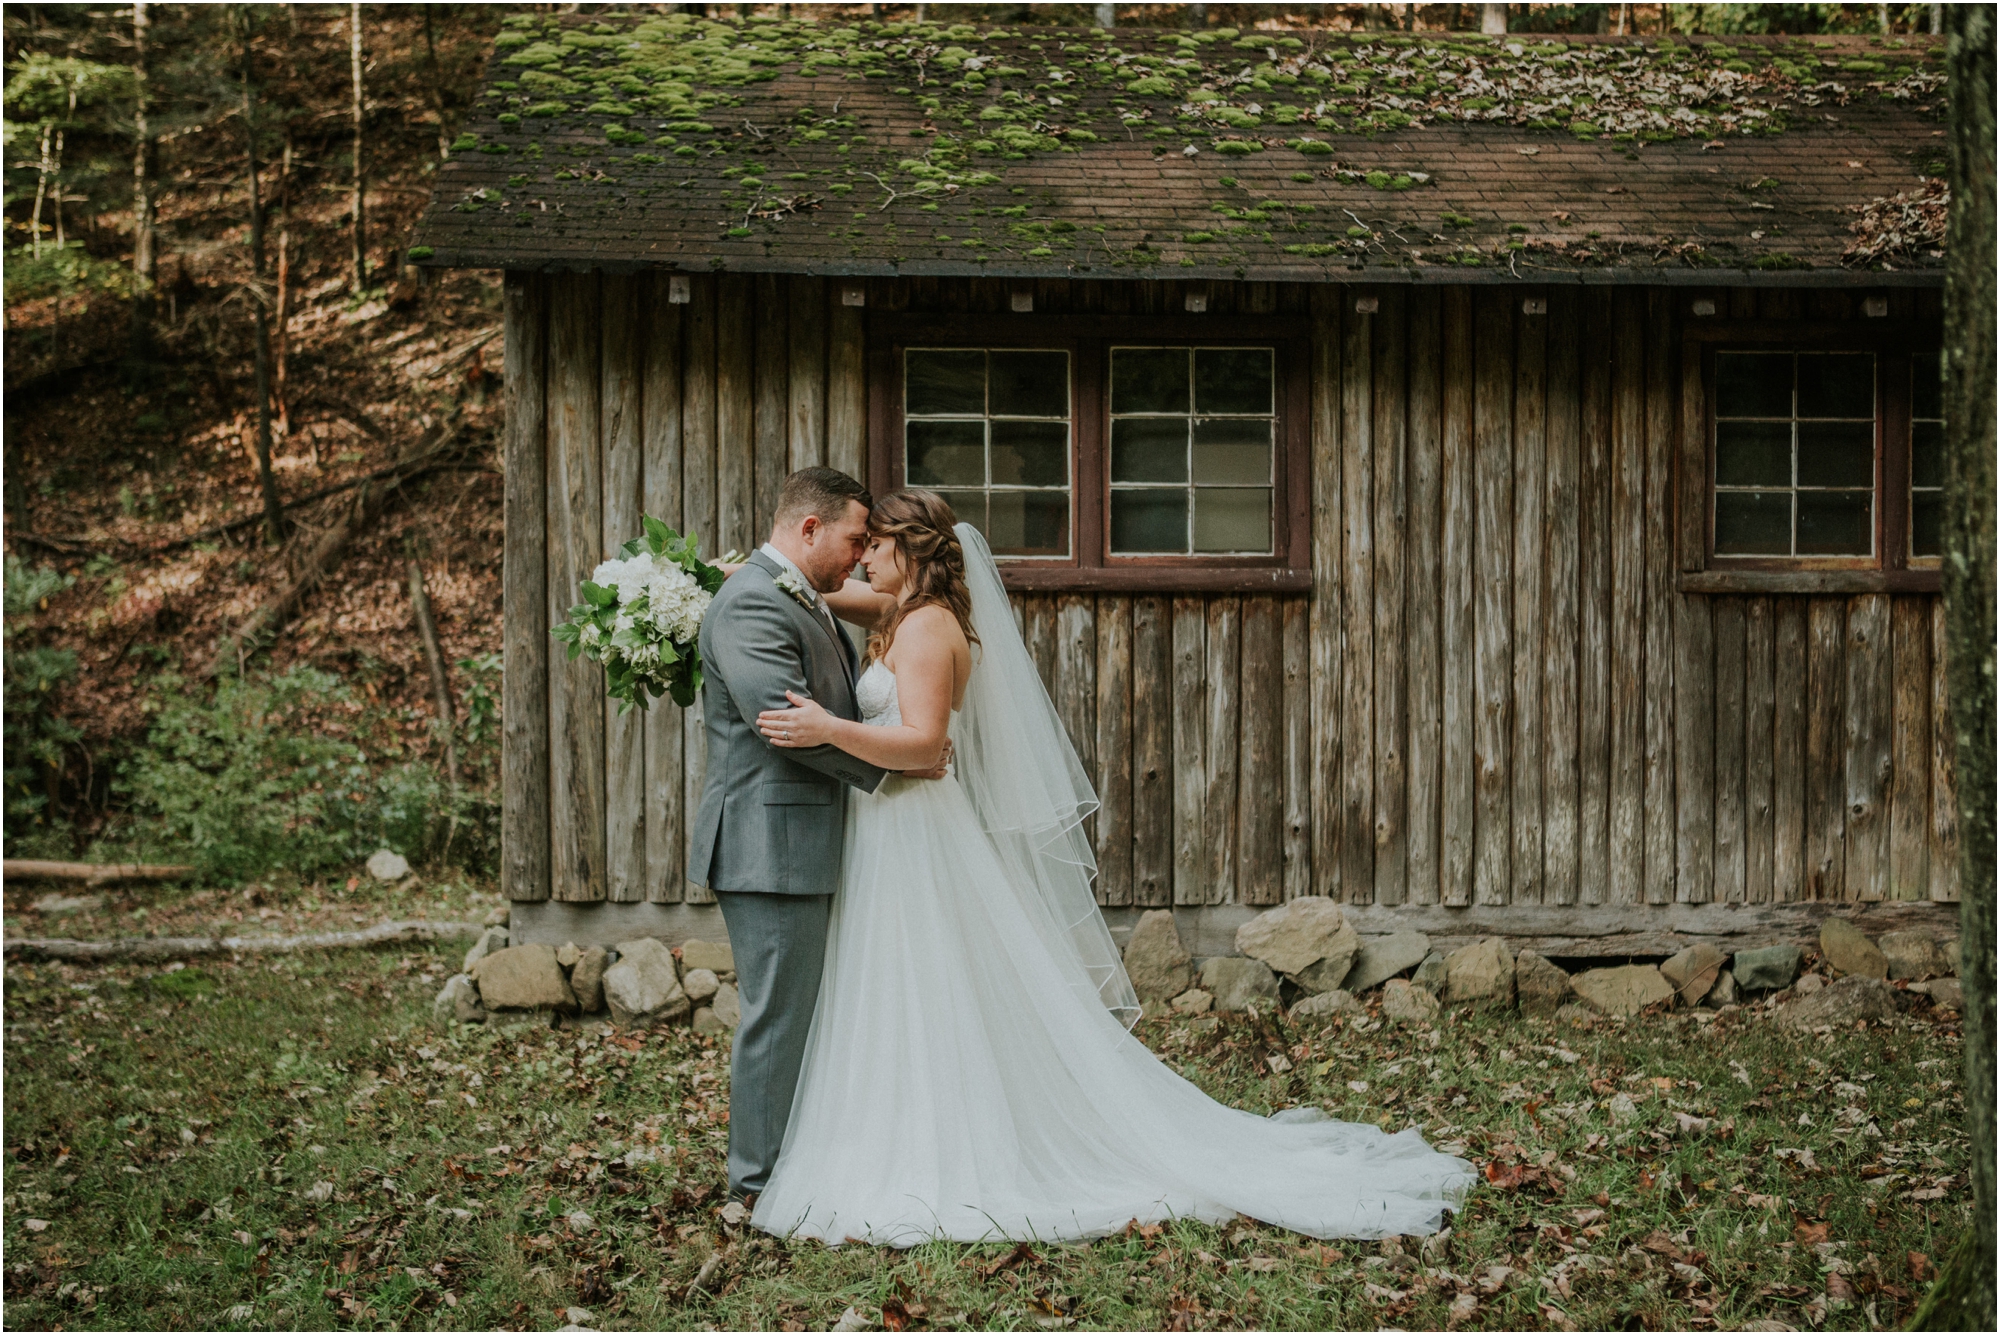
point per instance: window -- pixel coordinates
(1822, 470)
(1174, 461)
(989, 429)
(1191, 450)
(1795, 454)
(1926, 456)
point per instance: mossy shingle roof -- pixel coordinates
(629, 141)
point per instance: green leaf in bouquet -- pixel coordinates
(599, 596)
(629, 638)
(632, 548)
(565, 631)
(658, 535)
(668, 654)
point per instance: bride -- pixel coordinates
(969, 1074)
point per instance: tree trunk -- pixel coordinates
(1493, 20)
(436, 82)
(1963, 1297)
(360, 181)
(143, 259)
(420, 602)
(274, 510)
(281, 321)
(41, 190)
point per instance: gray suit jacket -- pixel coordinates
(771, 820)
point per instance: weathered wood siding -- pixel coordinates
(1494, 694)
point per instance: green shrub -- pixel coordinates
(267, 774)
(37, 739)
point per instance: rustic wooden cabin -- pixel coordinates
(1490, 483)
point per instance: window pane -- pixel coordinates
(1927, 454)
(1030, 454)
(1836, 523)
(944, 382)
(1753, 454)
(1753, 523)
(1753, 384)
(944, 454)
(1232, 380)
(1149, 380)
(1926, 390)
(1029, 523)
(1927, 524)
(1028, 384)
(1232, 449)
(1232, 519)
(1836, 454)
(970, 508)
(1149, 521)
(1836, 384)
(1147, 449)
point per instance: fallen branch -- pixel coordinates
(138, 948)
(92, 873)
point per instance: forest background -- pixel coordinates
(252, 498)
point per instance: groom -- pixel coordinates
(767, 837)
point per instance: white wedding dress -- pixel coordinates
(966, 1077)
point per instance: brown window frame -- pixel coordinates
(1090, 566)
(1891, 569)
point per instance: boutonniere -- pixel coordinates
(789, 581)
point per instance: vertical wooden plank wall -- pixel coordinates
(1494, 692)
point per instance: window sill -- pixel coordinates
(1811, 581)
(1154, 579)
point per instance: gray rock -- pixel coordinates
(1622, 1109)
(1766, 970)
(1238, 983)
(1576, 1013)
(1404, 1003)
(522, 978)
(1329, 975)
(1383, 957)
(1913, 955)
(1693, 971)
(1723, 992)
(1849, 951)
(1294, 936)
(1336, 1002)
(1946, 992)
(1948, 949)
(568, 953)
(1843, 1001)
(727, 1006)
(1430, 974)
(1624, 990)
(458, 1002)
(1481, 973)
(1808, 985)
(1194, 1001)
(717, 959)
(1542, 987)
(706, 1022)
(498, 917)
(492, 939)
(587, 979)
(700, 985)
(1154, 959)
(643, 988)
(384, 865)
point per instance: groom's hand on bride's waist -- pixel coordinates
(937, 771)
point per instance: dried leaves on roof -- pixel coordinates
(1901, 225)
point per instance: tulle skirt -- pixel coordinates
(963, 1080)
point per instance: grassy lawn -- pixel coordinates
(290, 1143)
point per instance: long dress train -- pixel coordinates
(962, 1080)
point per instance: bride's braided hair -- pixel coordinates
(921, 523)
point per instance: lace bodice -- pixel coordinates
(875, 693)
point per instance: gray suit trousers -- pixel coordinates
(779, 946)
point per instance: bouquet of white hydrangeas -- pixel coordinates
(641, 617)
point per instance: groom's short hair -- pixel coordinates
(822, 492)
